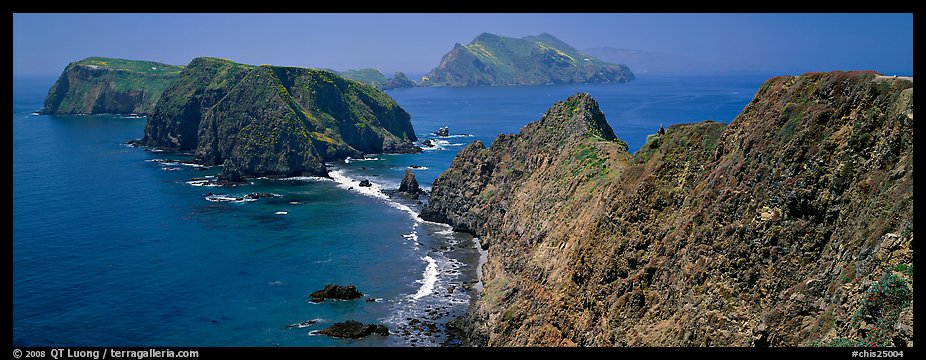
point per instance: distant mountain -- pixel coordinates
(99, 85)
(653, 62)
(533, 60)
(374, 77)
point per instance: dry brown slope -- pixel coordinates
(775, 230)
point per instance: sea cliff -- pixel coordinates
(791, 226)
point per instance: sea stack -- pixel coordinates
(409, 185)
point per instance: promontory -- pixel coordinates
(791, 226)
(99, 85)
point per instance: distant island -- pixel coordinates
(376, 78)
(533, 60)
(100, 85)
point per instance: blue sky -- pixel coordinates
(43, 44)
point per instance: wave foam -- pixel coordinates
(209, 183)
(430, 278)
(483, 257)
(305, 178)
(375, 190)
(229, 199)
(349, 159)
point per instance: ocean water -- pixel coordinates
(116, 246)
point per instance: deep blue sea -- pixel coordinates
(113, 248)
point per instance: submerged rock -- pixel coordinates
(303, 324)
(365, 183)
(258, 195)
(353, 329)
(339, 292)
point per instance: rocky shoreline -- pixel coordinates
(780, 229)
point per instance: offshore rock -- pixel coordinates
(353, 329)
(409, 185)
(338, 292)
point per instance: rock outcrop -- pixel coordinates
(99, 85)
(792, 226)
(338, 292)
(533, 60)
(353, 329)
(409, 185)
(272, 120)
(399, 80)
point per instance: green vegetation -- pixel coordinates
(368, 76)
(136, 66)
(906, 269)
(108, 85)
(590, 162)
(275, 120)
(880, 310)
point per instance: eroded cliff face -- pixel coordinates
(271, 120)
(791, 226)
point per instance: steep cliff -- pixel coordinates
(791, 226)
(99, 85)
(271, 120)
(533, 60)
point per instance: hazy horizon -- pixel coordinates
(43, 44)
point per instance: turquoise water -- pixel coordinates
(113, 248)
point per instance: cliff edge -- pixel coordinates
(792, 226)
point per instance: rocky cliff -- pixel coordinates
(792, 226)
(99, 85)
(271, 120)
(533, 60)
